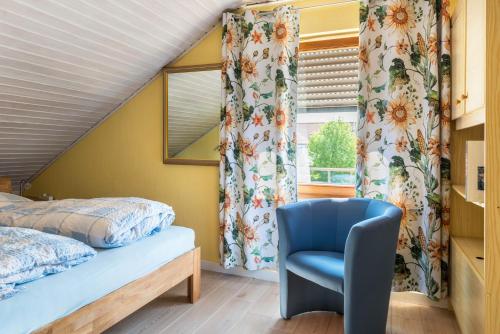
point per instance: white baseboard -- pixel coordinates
(265, 275)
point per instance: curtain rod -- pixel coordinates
(279, 2)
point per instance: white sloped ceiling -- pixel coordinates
(65, 65)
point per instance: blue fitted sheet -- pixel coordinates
(56, 296)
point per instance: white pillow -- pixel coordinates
(6, 197)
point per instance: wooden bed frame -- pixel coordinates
(110, 309)
(98, 316)
(5, 184)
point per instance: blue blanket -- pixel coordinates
(26, 255)
(98, 222)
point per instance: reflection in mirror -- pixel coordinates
(193, 100)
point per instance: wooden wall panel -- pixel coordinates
(492, 167)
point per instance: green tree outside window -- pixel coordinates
(333, 146)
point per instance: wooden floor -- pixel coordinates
(232, 304)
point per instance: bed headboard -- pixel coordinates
(5, 184)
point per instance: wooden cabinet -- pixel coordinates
(474, 294)
(467, 283)
(458, 42)
(468, 65)
(475, 73)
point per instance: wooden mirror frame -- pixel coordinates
(182, 69)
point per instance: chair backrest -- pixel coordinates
(333, 219)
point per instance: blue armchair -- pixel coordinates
(338, 255)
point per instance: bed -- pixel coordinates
(93, 296)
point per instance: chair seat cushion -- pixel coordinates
(323, 268)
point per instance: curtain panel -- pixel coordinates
(257, 133)
(404, 131)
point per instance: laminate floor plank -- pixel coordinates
(151, 319)
(336, 325)
(406, 318)
(255, 323)
(240, 305)
(205, 308)
(314, 323)
(226, 317)
(438, 321)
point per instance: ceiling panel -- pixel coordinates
(65, 65)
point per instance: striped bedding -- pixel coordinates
(26, 255)
(98, 222)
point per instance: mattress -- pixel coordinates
(53, 297)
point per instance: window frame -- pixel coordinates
(313, 190)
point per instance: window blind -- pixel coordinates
(328, 78)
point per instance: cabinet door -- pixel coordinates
(475, 56)
(458, 55)
(467, 292)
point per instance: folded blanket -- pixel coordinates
(26, 255)
(98, 222)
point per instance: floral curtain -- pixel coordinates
(257, 133)
(404, 131)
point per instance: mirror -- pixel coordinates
(192, 101)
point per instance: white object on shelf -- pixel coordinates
(474, 171)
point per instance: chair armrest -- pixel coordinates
(370, 254)
(294, 228)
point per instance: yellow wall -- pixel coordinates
(205, 148)
(208, 51)
(314, 23)
(123, 156)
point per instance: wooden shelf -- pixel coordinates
(460, 189)
(473, 248)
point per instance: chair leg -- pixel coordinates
(299, 295)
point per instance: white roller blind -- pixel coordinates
(328, 78)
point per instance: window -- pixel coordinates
(326, 121)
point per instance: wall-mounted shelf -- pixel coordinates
(460, 189)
